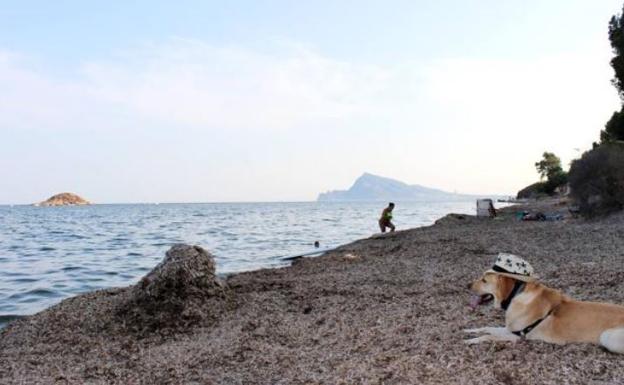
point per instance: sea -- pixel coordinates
(48, 254)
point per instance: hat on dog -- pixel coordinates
(514, 267)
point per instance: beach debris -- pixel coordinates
(539, 216)
(182, 289)
(350, 257)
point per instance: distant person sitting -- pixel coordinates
(492, 210)
(386, 218)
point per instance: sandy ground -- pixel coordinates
(384, 310)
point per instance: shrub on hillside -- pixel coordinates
(535, 190)
(543, 189)
(597, 180)
(548, 167)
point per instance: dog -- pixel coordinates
(534, 311)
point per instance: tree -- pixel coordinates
(597, 180)
(616, 38)
(549, 166)
(614, 129)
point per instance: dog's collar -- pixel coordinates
(522, 333)
(517, 289)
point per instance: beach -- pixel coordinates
(388, 309)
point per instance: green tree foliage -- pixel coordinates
(549, 168)
(614, 129)
(616, 37)
(597, 180)
(550, 165)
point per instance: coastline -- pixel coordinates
(386, 309)
(56, 253)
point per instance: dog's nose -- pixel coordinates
(469, 286)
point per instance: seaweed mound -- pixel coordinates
(182, 290)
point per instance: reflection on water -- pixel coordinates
(51, 253)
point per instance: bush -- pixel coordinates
(548, 167)
(557, 179)
(536, 190)
(597, 180)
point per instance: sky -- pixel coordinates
(222, 101)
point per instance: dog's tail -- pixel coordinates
(613, 340)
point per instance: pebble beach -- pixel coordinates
(387, 309)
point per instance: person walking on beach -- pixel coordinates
(386, 218)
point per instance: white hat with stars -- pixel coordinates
(514, 267)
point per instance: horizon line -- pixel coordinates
(259, 201)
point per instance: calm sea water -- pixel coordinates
(51, 253)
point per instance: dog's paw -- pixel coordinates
(474, 331)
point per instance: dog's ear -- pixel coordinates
(505, 285)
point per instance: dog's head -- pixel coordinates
(491, 287)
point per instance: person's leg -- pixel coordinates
(391, 225)
(382, 226)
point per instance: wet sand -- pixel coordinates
(382, 310)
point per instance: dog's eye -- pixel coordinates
(483, 280)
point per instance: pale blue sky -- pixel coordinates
(280, 100)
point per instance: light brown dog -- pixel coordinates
(536, 312)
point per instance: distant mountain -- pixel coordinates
(369, 187)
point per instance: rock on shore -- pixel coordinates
(176, 293)
(64, 199)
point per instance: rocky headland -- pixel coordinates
(369, 188)
(64, 199)
(384, 310)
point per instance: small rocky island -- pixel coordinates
(64, 199)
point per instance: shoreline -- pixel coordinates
(386, 309)
(100, 258)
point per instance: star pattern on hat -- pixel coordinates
(514, 264)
